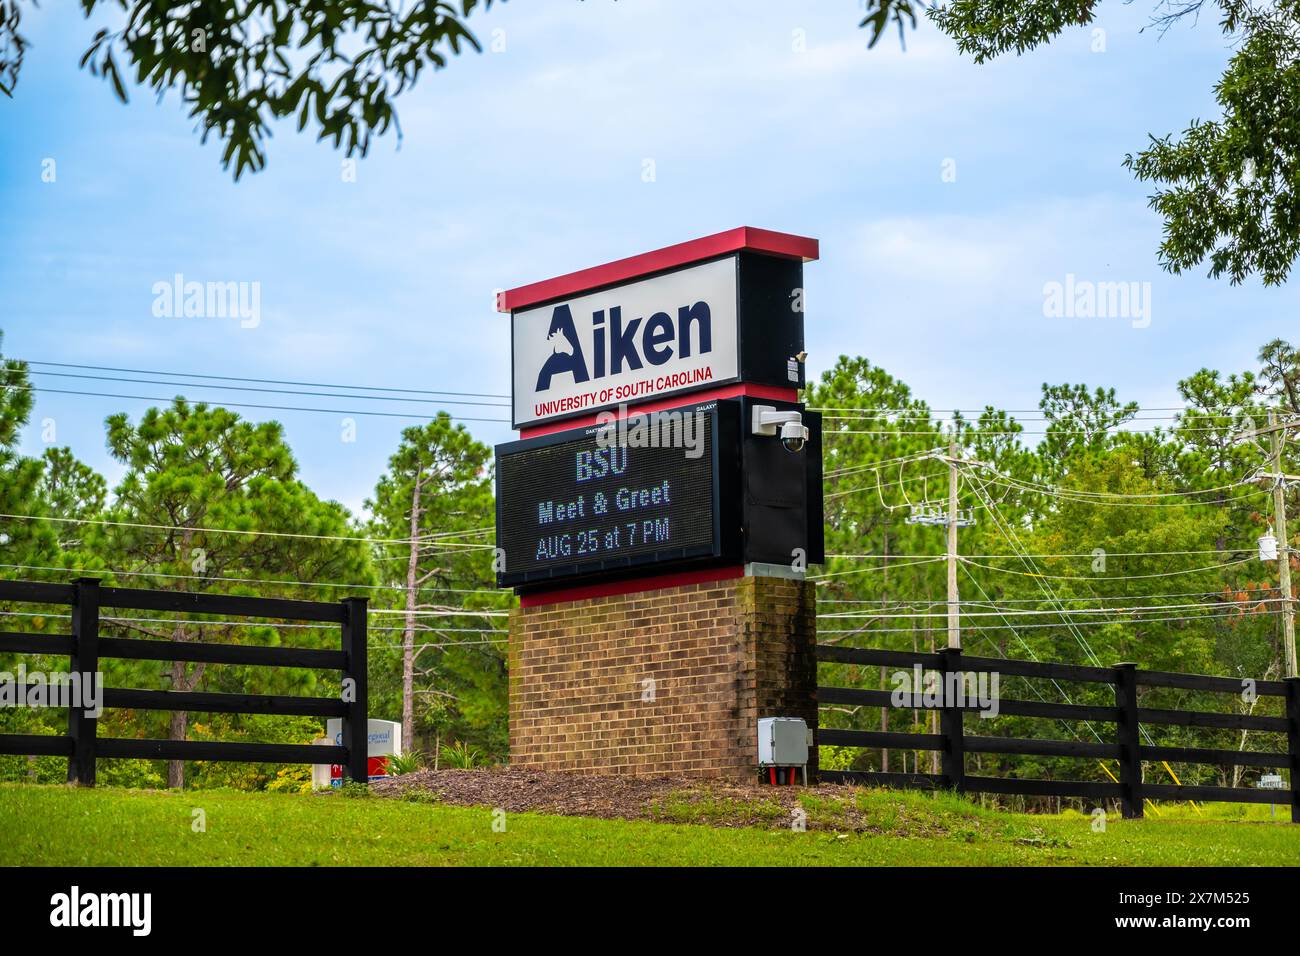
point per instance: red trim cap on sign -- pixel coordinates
(745, 238)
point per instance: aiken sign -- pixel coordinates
(630, 343)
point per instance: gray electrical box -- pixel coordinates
(782, 742)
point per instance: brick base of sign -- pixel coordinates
(665, 682)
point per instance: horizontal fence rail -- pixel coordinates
(85, 648)
(1126, 715)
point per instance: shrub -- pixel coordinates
(405, 763)
(460, 755)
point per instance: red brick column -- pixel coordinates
(666, 682)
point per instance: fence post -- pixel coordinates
(85, 662)
(1130, 756)
(1293, 742)
(951, 724)
(355, 726)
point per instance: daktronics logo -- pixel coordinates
(661, 338)
(625, 343)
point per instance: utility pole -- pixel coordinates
(952, 519)
(1283, 546)
(954, 608)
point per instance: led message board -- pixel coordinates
(601, 499)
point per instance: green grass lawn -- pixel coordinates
(57, 825)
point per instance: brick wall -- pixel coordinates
(661, 682)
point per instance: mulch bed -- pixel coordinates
(519, 790)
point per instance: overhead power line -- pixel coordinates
(263, 581)
(974, 423)
(907, 564)
(1100, 577)
(1080, 554)
(989, 602)
(176, 620)
(1118, 501)
(878, 486)
(240, 531)
(974, 431)
(919, 456)
(265, 381)
(271, 391)
(972, 409)
(1035, 612)
(425, 618)
(1234, 613)
(373, 630)
(277, 408)
(998, 477)
(443, 646)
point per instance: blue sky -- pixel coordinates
(525, 163)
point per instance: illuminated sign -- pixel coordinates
(729, 319)
(599, 499)
(637, 341)
(721, 316)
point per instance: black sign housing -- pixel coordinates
(575, 505)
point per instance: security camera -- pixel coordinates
(793, 437)
(788, 424)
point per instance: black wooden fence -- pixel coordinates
(84, 648)
(953, 742)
